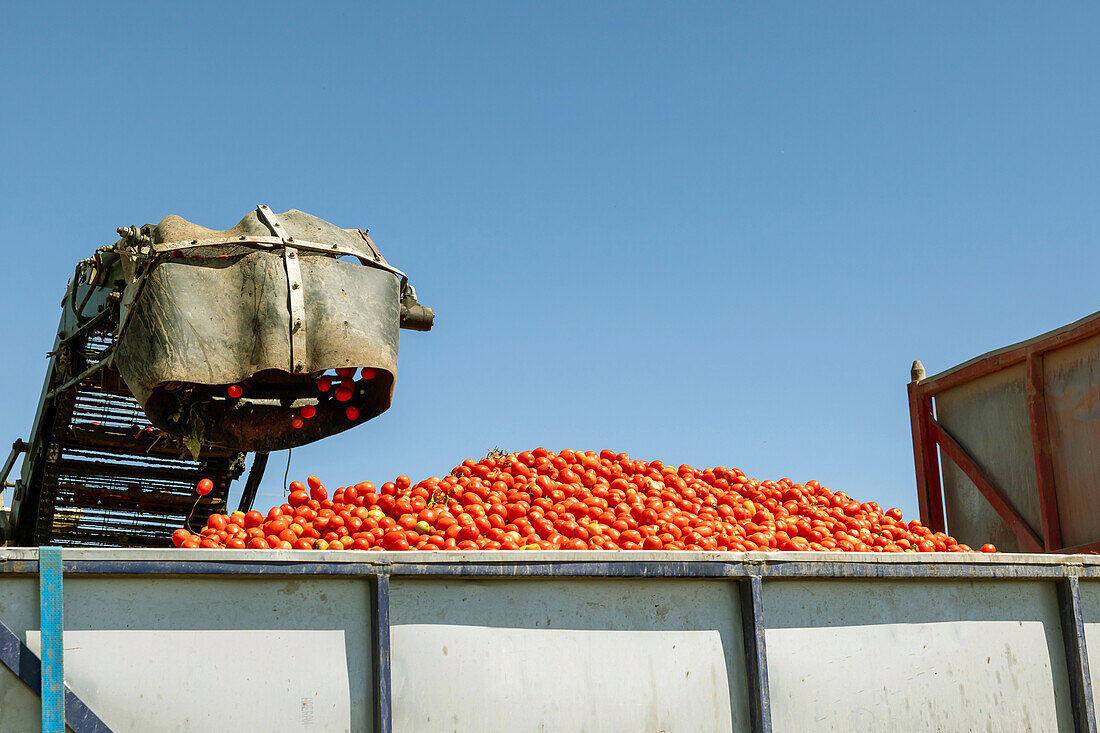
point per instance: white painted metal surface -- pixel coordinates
(859, 655)
(581, 655)
(192, 681)
(214, 610)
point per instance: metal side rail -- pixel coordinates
(780, 631)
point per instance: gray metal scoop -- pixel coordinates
(270, 305)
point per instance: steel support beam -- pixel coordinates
(1077, 657)
(1040, 443)
(1031, 541)
(380, 630)
(756, 655)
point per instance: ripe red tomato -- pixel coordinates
(308, 411)
(235, 391)
(316, 490)
(204, 487)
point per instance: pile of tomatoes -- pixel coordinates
(573, 500)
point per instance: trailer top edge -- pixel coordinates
(10, 556)
(1087, 325)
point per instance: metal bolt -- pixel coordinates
(290, 239)
(296, 285)
(299, 367)
(292, 255)
(241, 237)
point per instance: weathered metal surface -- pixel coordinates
(1040, 448)
(1028, 538)
(1075, 643)
(204, 309)
(24, 706)
(381, 656)
(976, 642)
(753, 635)
(989, 419)
(303, 673)
(848, 655)
(200, 327)
(1072, 385)
(266, 640)
(154, 330)
(1027, 419)
(571, 655)
(1088, 598)
(925, 456)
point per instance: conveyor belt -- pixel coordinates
(110, 478)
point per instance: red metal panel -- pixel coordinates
(1089, 548)
(1027, 536)
(937, 519)
(1044, 466)
(996, 361)
(1071, 382)
(926, 460)
(919, 440)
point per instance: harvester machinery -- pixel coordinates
(180, 350)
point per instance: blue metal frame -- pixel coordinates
(748, 570)
(51, 612)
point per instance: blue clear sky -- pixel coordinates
(714, 233)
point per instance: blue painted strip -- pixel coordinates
(51, 612)
(382, 693)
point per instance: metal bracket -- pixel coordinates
(333, 250)
(294, 287)
(297, 310)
